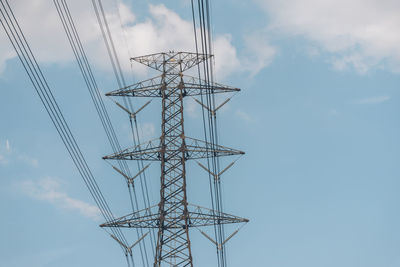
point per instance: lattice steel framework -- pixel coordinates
(173, 216)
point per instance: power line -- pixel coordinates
(206, 48)
(119, 75)
(175, 216)
(83, 63)
(41, 86)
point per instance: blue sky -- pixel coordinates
(317, 118)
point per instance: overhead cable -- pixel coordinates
(42, 88)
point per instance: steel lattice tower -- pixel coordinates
(173, 216)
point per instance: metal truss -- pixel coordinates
(153, 87)
(172, 62)
(193, 149)
(198, 217)
(173, 216)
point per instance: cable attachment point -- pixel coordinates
(216, 176)
(212, 111)
(128, 249)
(130, 180)
(132, 115)
(220, 245)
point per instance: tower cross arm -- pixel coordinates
(198, 217)
(172, 61)
(192, 86)
(147, 88)
(146, 151)
(194, 149)
(198, 149)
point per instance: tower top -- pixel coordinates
(172, 62)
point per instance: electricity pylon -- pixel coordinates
(173, 216)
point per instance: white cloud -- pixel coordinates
(8, 147)
(39, 21)
(48, 189)
(226, 59)
(373, 100)
(359, 33)
(163, 30)
(259, 53)
(126, 15)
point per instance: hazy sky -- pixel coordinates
(317, 118)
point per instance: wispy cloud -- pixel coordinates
(9, 154)
(48, 189)
(373, 100)
(8, 147)
(369, 39)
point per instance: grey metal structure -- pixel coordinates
(173, 216)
